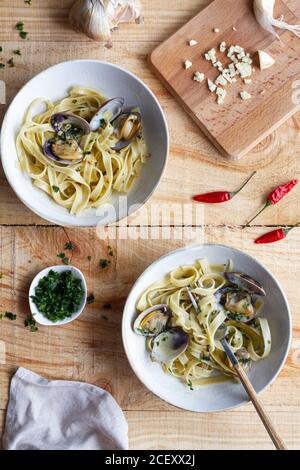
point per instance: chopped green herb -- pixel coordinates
(23, 34)
(66, 260)
(55, 188)
(89, 258)
(17, 52)
(190, 385)
(11, 62)
(86, 152)
(1, 49)
(90, 299)
(61, 255)
(10, 315)
(2, 65)
(69, 246)
(1, 316)
(104, 263)
(104, 317)
(28, 2)
(30, 321)
(107, 306)
(1, 275)
(20, 26)
(157, 343)
(58, 295)
(110, 251)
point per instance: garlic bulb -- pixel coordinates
(264, 13)
(97, 18)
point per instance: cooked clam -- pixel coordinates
(169, 345)
(64, 147)
(108, 112)
(245, 282)
(127, 128)
(244, 358)
(240, 304)
(152, 321)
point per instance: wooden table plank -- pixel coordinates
(90, 348)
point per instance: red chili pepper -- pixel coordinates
(220, 196)
(275, 196)
(275, 235)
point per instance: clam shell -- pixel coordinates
(109, 111)
(169, 345)
(160, 320)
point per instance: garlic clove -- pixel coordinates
(265, 60)
(264, 13)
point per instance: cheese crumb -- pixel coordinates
(216, 30)
(193, 42)
(222, 46)
(188, 64)
(199, 77)
(245, 95)
(211, 86)
(221, 80)
(247, 81)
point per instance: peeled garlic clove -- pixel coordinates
(265, 60)
(89, 17)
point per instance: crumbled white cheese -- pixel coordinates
(221, 80)
(211, 55)
(211, 86)
(245, 70)
(199, 77)
(193, 42)
(241, 55)
(216, 30)
(232, 70)
(188, 64)
(222, 46)
(221, 93)
(245, 95)
(247, 60)
(247, 81)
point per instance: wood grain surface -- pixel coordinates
(90, 349)
(271, 90)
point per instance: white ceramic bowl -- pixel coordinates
(224, 395)
(39, 317)
(112, 81)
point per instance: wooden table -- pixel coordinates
(90, 349)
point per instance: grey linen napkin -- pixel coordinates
(51, 415)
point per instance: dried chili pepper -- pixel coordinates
(275, 196)
(220, 196)
(275, 235)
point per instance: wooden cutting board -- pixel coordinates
(236, 126)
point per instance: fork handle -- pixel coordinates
(278, 442)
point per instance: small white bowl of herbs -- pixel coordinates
(57, 295)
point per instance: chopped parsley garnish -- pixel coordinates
(66, 260)
(17, 52)
(104, 263)
(2, 65)
(30, 321)
(69, 246)
(90, 299)
(55, 188)
(10, 315)
(61, 255)
(28, 2)
(11, 62)
(86, 152)
(1, 275)
(20, 26)
(58, 295)
(190, 385)
(89, 258)
(104, 317)
(23, 34)
(110, 251)
(1, 48)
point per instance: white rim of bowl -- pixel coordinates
(4, 125)
(181, 250)
(44, 272)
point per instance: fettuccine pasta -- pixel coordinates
(204, 359)
(89, 183)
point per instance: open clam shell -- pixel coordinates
(64, 122)
(127, 128)
(169, 345)
(245, 282)
(152, 321)
(108, 112)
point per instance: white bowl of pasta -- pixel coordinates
(199, 378)
(103, 185)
